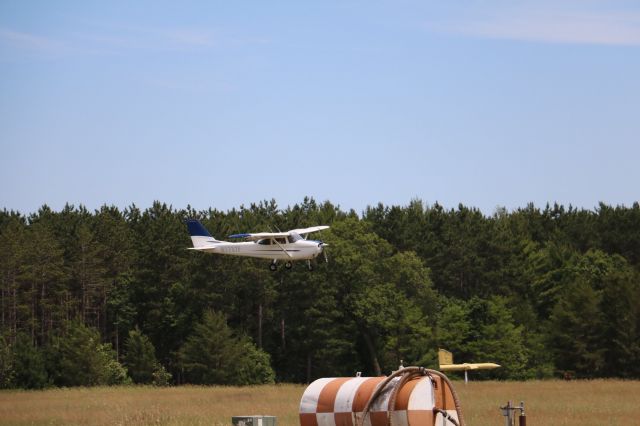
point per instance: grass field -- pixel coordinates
(584, 403)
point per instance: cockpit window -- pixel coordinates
(281, 240)
(265, 242)
(293, 237)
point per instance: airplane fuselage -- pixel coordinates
(299, 250)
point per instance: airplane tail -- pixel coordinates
(445, 357)
(200, 237)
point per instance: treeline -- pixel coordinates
(113, 296)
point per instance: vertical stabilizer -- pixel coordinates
(200, 237)
(445, 357)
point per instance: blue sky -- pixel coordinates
(486, 103)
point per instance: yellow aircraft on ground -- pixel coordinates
(445, 359)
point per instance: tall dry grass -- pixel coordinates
(184, 405)
(554, 402)
(585, 403)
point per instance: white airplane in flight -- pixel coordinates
(287, 246)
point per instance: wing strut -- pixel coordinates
(283, 249)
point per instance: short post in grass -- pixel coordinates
(508, 411)
(522, 420)
(254, 420)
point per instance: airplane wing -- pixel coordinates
(262, 235)
(309, 230)
(466, 366)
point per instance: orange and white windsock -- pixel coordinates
(341, 402)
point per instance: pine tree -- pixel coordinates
(576, 330)
(140, 357)
(29, 364)
(77, 358)
(7, 371)
(214, 355)
(620, 307)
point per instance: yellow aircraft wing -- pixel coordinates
(466, 366)
(445, 359)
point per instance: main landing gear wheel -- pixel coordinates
(273, 267)
(288, 265)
